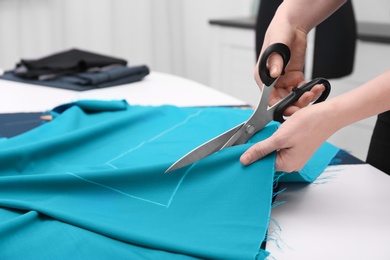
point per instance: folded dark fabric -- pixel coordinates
(66, 62)
(100, 77)
(118, 75)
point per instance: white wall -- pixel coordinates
(197, 31)
(168, 35)
(31, 28)
(376, 11)
(171, 36)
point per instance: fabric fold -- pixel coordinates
(64, 62)
(76, 70)
(99, 173)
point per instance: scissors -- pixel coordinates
(262, 114)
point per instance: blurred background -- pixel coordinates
(170, 36)
(179, 37)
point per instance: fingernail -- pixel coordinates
(246, 158)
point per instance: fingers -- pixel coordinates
(317, 90)
(284, 161)
(262, 149)
(258, 151)
(305, 99)
(287, 163)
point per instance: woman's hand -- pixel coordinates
(296, 140)
(295, 39)
(308, 126)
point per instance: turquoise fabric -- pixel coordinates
(314, 167)
(91, 185)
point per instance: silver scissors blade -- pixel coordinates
(262, 114)
(205, 149)
(237, 135)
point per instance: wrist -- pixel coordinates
(306, 14)
(333, 114)
(328, 117)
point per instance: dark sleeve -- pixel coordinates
(267, 9)
(378, 152)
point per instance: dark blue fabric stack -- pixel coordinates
(76, 70)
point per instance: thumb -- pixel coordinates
(275, 65)
(258, 151)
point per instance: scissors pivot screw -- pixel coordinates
(261, 116)
(249, 129)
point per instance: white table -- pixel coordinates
(155, 89)
(344, 215)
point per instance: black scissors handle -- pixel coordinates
(280, 48)
(297, 92)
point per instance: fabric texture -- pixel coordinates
(91, 184)
(76, 70)
(69, 61)
(12, 124)
(114, 76)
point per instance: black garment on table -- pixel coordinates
(379, 150)
(88, 80)
(335, 39)
(76, 70)
(66, 62)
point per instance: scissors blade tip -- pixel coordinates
(175, 166)
(171, 168)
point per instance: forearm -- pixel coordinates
(291, 24)
(365, 101)
(306, 14)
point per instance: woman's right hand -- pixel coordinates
(296, 39)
